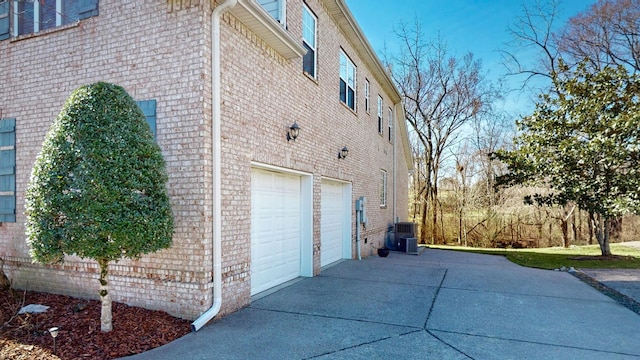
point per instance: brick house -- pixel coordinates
(221, 84)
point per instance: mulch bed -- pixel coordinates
(26, 336)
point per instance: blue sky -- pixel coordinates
(477, 26)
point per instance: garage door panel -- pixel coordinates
(275, 228)
(332, 222)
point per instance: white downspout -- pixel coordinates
(399, 116)
(393, 138)
(217, 187)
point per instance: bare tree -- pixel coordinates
(533, 32)
(460, 187)
(606, 34)
(441, 93)
(491, 132)
(418, 188)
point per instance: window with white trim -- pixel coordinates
(309, 33)
(347, 81)
(380, 118)
(367, 96)
(277, 9)
(4, 20)
(383, 188)
(390, 122)
(34, 16)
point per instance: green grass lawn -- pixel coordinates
(580, 257)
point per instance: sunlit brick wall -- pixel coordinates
(162, 52)
(154, 53)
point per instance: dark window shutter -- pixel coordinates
(87, 8)
(7, 170)
(7, 208)
(148, 107)
(7, 132)
(4, 20)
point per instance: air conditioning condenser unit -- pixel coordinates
(408, 245)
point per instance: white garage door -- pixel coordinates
(332, 222)
(275, 229)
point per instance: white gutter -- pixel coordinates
(216, 141)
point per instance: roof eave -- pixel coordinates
(350, 28)
(260, 22)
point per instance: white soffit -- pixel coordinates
(260, 22)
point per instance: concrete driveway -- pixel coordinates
(436, 305)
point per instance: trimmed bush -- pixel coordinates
(98, 186)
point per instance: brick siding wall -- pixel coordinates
(157, 50)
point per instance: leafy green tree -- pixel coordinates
(98, 186)
(583, 140)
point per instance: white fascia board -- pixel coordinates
(260, 22)
(350, 28)
(404, 135)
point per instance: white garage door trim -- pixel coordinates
(335, 244)
(303, 227)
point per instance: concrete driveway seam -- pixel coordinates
(520, 294)
(435, 297)
(523, 342)
(335, 317)
(364, 344)
(377, 281)
(449, 345)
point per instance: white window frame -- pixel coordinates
(36, 15)
(37, 10)
(314, 46)
(390, 122)
(380, 115)
(282, 11)
(367, 96)
(383, 189)
(5, 7)
(348, 69)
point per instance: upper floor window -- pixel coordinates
(33, 16)
(390, 121)
(367, 96)
(277, 9)
(4, 20)
(347, 81)
(380, 118)
(309, 32)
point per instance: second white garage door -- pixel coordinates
(334, 224)
(275, 228)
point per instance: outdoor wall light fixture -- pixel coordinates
(293, 132)
(343, 153)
